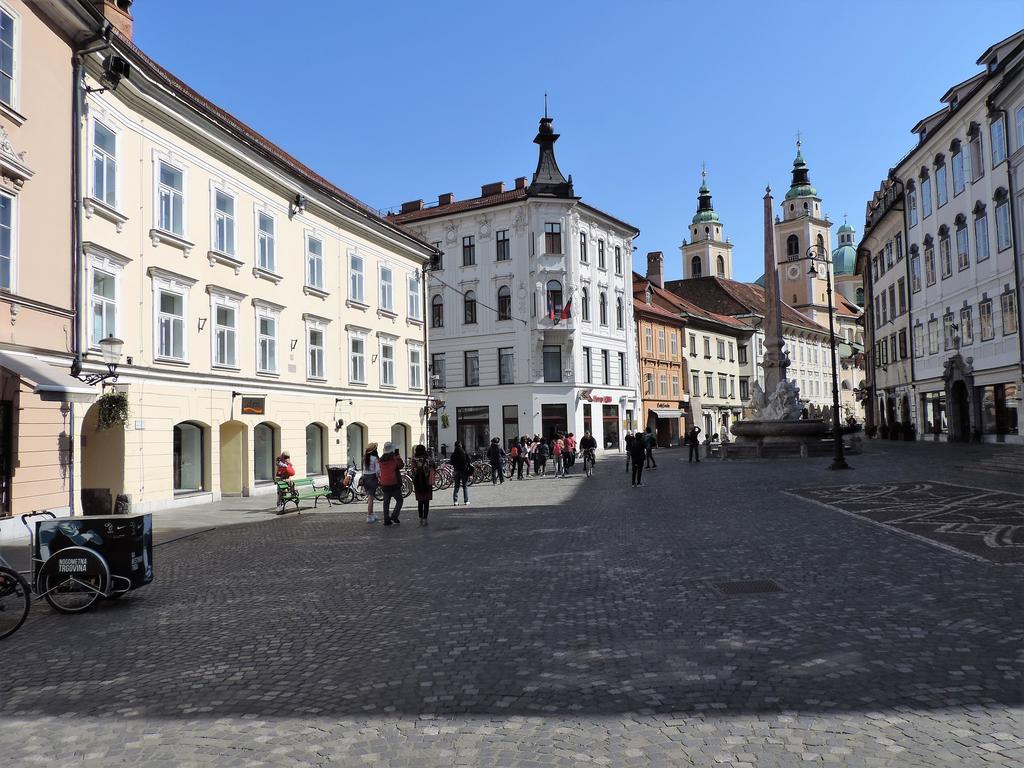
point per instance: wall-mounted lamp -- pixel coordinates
(202, 323)
(295, 343)
(110, 348)
(343, 400)
(373, 359)
(297, 206)
(115, 68)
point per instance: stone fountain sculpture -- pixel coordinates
(777, 408)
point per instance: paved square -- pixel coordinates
(553, 623)
(982, 523)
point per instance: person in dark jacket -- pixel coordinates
(650, 441)
(496, 456)
(462, 467)
(422, 472)
(693, 440)
(391, 466)
(638, 453)
(629, 450)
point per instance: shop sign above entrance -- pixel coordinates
(254, 406)
(590, 397)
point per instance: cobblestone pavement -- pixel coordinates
(554, 622)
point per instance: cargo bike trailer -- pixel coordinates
(76, 562)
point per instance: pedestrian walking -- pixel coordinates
(527, 455)
(638, 452)
(568, 455)
(629, 450)
(496, 456)
(513, 454)
(521, 458)
(370, 479)
(543, 452)
(556, 454)
(693, 440)
(650, 441)
(423, 475)
(462, 468)
(391, 466)
(570, 441)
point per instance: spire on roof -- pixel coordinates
(801, 186)
(548, 179)
(705, 210)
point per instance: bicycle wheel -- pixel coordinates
(347, 496)
(73, 579)
(15, 600)
(406, 486)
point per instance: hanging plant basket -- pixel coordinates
(112, 411)
(444, 420)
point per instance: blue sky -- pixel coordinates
(403, 100)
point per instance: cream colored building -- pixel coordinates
(262, 308)
(37, 42)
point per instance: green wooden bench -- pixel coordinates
(300, 489)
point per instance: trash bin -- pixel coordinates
(336, 480)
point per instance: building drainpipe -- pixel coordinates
(98, 43)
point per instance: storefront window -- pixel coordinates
(510, 424)
(588, 420)
(610, 422)
(263, 452)
(188, 457)
(934, 410)
(473, 426)
(554, 419)
(998, 409)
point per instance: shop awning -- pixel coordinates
(52, 384)
(663, 413)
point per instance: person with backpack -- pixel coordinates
(513, 452)
(423, 476)
(629, 450)
(496, 456)
(568, 454)
(543, 452)
(391, 466)
(650, 441)
(524, 457)
(693, 440)
(370, 479)
(462, 468)
(638, 453)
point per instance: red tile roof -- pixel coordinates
(730, 297)
(459, 206)
(846, 307)
(677, 305)
(249, 136)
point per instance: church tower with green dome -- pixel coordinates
(802, 226)
(844, 265)
(706, 253)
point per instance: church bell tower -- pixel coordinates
(706, 253)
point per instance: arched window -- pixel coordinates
(602, 305)
(860, 297)
(469, 307)
(695, 268)
(721, 266)
(265, 444)
(619, 317)
(437, 312)
(554, 297)
(314, 449)
(821, 246)
(188, 457)
(792, 246)
(504, 303)
(585, 305)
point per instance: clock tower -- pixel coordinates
(708, 253)
(803, 226)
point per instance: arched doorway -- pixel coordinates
(355, 439)
(189, 457)
(234, 459)
(103, 460)
(266, 443)
(959, 413)
(400, 437)
(316, 448)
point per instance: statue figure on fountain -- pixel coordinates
(781, 405)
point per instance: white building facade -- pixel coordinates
(529, 312)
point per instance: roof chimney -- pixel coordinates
(412, 205)
(521, 182)
(118, 13)
(494, 188)
(446, 199)
(656, 268)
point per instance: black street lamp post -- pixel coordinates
(820, 253)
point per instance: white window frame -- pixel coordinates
(232, 301)
(315, 264)
(997, 144)
(415, 367)
(230, 221)
(171, 283)
(415, 291)
(387, 377)
(113, 265)
(357, 372)
(316, 325)
(1004, 238)
(357, 279)
(94, 150)
(15, 103)
(15, 238)
(261, 237)
(266, 311)
(160, 160)
(386, 292)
